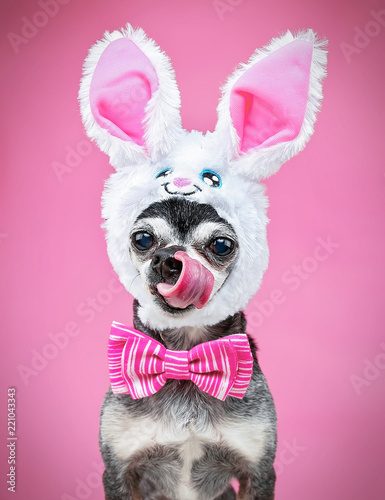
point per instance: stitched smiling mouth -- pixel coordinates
(166, 184)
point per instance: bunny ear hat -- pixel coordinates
(130, 106)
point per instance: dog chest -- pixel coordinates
(127, 435)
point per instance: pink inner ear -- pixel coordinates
(122, 84)
(268, 102)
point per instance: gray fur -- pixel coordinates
(156, 470)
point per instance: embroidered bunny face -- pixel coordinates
(192, 168)
(130, 106)
(185, 179)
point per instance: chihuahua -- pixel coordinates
(185, 219)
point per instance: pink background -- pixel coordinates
(322, 343)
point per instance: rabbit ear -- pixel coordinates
(129, 98)
(268, 107)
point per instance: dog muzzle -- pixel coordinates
(194, 285)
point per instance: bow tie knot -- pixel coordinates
(176, 365)
(140, 366)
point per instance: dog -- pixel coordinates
(185, 219)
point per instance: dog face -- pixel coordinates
(183, 251)
(223, 244)
(184, 212)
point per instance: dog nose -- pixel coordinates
(164, 264)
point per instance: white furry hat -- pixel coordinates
(130, 106)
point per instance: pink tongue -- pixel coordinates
(194, 285)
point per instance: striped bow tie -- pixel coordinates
(140, 365)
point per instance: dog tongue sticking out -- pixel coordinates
(194, 284)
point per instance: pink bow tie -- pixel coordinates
(140, 366)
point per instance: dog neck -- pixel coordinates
(187, 337)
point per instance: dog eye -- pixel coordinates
(143, 241)
(163, 173)
(211, 178)
(221, 246)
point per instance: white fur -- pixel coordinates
(259, 164)
(127, 436)
(239, 201)
(163, 123)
